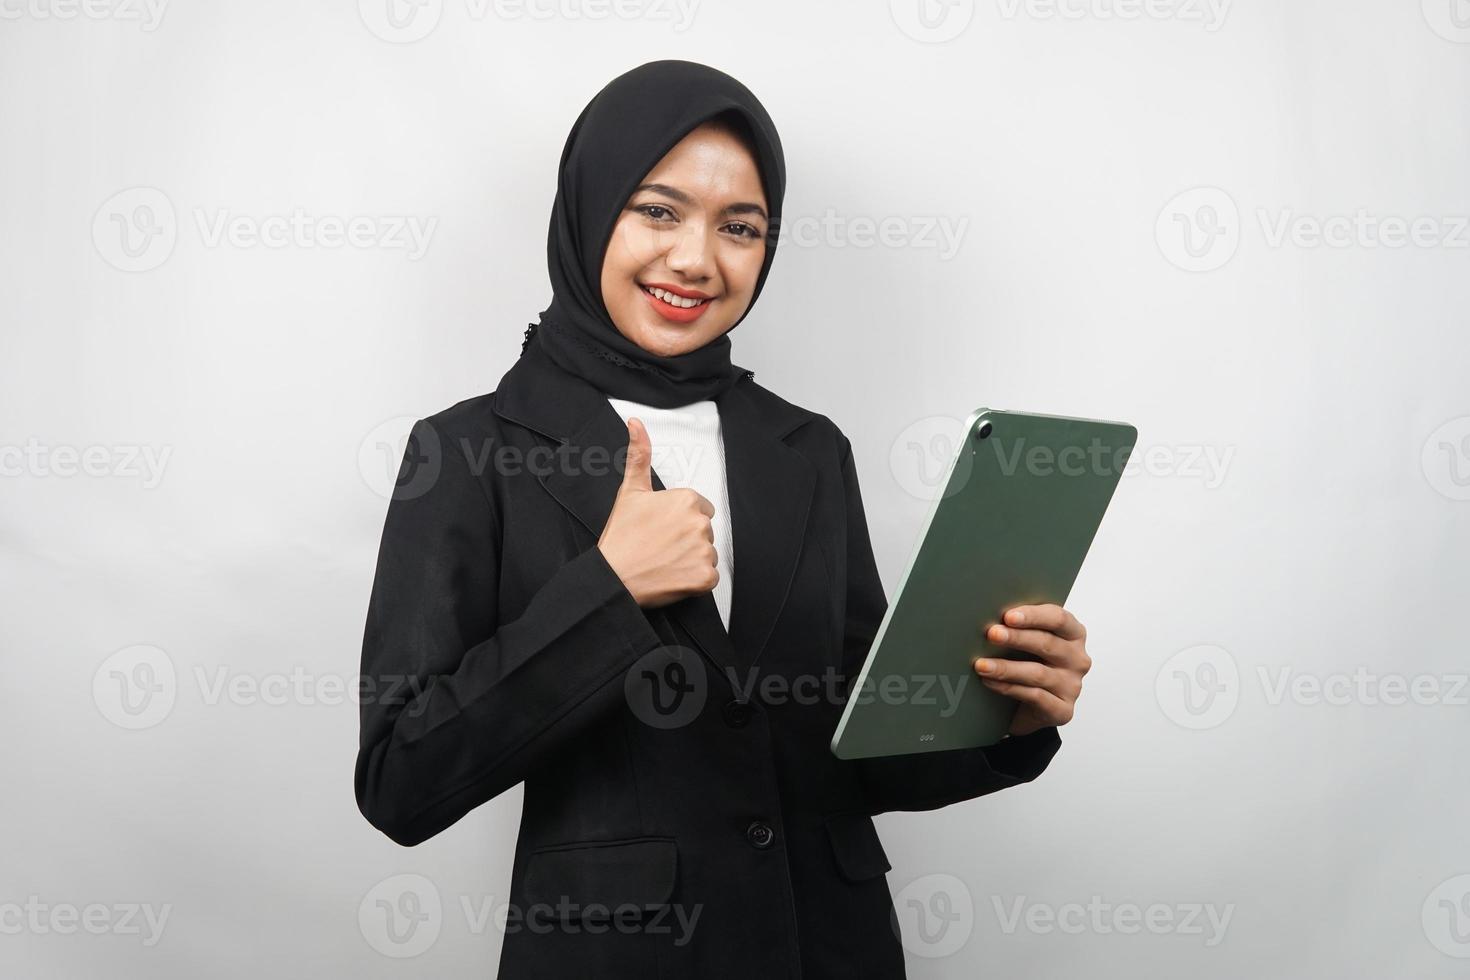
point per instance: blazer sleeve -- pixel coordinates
(926, 780)
(456, 706)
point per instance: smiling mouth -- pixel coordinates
(674, 299)
(673, 307)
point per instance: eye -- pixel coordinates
(744, 230)
(655, 212)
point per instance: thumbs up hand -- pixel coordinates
(659, 542)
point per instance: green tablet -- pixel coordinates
(1019, 506)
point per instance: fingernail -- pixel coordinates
(1000, 634)
(1017, 617)
(985, 665)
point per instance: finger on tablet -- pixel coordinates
(1047, 616)
(1047, 646)
(1025, 672)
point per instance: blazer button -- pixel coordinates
(737, 713)
(760, 835)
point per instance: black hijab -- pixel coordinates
(620, 135)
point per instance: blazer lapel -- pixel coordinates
(770, 487)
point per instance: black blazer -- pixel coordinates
(722, 840)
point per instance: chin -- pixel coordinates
(672, 339)
(660, 341)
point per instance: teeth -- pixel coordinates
(680, 301)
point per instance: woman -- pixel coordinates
(661, 665)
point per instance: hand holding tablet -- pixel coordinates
(1046, 690)
(1022, 501)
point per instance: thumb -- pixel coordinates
(636, 472)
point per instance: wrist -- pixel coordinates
(606, 557)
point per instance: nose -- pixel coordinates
(690, 252)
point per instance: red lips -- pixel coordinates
(669, 311)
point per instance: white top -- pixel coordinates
(689, 451)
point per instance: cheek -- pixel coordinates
(617, 274)
(620, 263)
(742, 269)
(634, 245)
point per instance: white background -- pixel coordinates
(1302, 407)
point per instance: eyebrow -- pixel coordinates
(742, 207)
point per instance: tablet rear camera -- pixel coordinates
(983, 431)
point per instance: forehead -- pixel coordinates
(710, 160)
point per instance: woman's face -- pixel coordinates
(694, 230)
